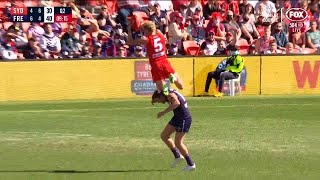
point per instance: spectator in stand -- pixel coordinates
(69, 43)
(243, 7)
(8, 50)
(85, 53)
(216, 26)
(57, 29)
(229, 38)
(280, 36)
(195, 5)
(32, 50)
(105, 19)
(96, 53)
(210, 45)
(177, 4)
(125, 9)
(210, 7)
(249, 30)
(314, 9)
(252, 50)
(176, 31)
(196, 29)
(166, 5)
(35, 31)
(273, 49)
(299, 39)
(222, 50)
(122, 51)
(46, 3)
(229, 24)
(183, 10)
(138, 52)
(18, 36)
(267, 10)
(304, 5)
(89, 24)
(289, 49)
(313, 37)
(262, 44)
(230, 5)
(173, 50)
(160, 18)
(50, 43)
(250, 11)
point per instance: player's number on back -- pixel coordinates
(158, 47)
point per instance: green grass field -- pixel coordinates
(230, 138)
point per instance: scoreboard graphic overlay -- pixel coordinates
(41, 14)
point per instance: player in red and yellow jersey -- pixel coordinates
(155, 43)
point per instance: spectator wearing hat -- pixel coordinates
(196, 29)
(280, 36)
(229, 24)
(216, 26)
(105, 19)
(209, 46)
(160, 18)
(69, 42)
(210, 7)
(313, 36)
(249, 30)
(173, 50)
(138, 52)
(176, 30)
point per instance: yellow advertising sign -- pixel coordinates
(290, 75)
(250, 77)
(83, 79)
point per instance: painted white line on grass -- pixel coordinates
(45, 133)
(139, 108)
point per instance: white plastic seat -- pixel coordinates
(232, 83)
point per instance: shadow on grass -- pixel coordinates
(79, 171)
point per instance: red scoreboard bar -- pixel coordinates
(41, 14)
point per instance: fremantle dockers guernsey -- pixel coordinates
(182, 111)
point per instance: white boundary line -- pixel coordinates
(138, 108)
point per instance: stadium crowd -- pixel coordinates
(192, 27)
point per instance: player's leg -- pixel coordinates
(179, 138)
(175, 78)
(165, 136)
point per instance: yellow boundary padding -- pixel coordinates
(98, 79)
(290, 75)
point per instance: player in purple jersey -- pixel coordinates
(179, 123)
